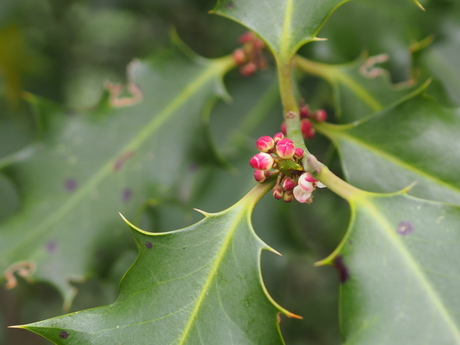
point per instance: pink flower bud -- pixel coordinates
(239, 56)
(320, 115)
(304, 111)
(246, 37)
(259, 175)
(305, 126)
(259, 44)
(265, 143)
(300, 195)
(309, 134)
(278, 136)
(249, 69)
(262, 161)
(288, 196)
(285, 148)
(288, 184)
(283, 128)
(278, 192)
(299, 153)
(306, 185)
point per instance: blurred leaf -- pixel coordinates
(185, 287)
(285, 25)
(360, 88)
(399, 269)
(89, 166)
(414, 141)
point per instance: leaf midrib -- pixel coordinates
(215, 68)
(339, 134)
(419, 275)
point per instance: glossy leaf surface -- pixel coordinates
(87, 167)
(198, 285)
(285, 25)
(415, 141)
(398, 264)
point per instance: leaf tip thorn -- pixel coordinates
(202, 212)
(419, 5)
(294, 316)
(320, 39)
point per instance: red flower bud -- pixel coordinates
(285, 148)
(305, 126)
(320, 115)
(278, 192)
(259, 175)
(278, 136)
(309, 178)
(299, 153)
(246, 37)
(304, 184)
(239, 56)
(262, 161)
(284, 128)
(259, 44)
(304, 111)
(249, 69)
(265, 143)
(309, 134)
(288, 184)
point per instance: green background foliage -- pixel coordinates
(63, 53)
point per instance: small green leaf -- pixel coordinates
(198, 285)
(285, 25)
(398, 265)
(87, 167)
(413, 142)
(361, 87)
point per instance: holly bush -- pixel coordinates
(163, 172)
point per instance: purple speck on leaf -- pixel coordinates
(63, 335)
(51, 246)
(405, 228)
(342, 270)
(148, 245)
(70, 184)
(126, 194)
(193, 167)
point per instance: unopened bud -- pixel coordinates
(309, 134)
(259, 175)
(246, 37)
(305, 126)
(278, 136)
(288, 184)
(259, 44)
(320, 115)
(249, 69)
(285, 148)
(299, 153)
(288, 196)
(262, 161)
(278, 192)
(284, 128)
(265, 143)
(304, 111)
(309, 177)
(239, 56)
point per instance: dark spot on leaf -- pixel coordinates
(126, 194)
(193, 167)
(350, 242)
(148, 245)
(63, 335)
(405, 228)
(119, 162)
(51, 246)
(70, 184)
(342, 270)
(230, 5)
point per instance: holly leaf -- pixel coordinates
(284, 25)
(361, 87)
(185, 288)
(399, 272)
(88, 166)
(412, 142)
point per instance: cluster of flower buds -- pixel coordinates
(306, 115)
(250, 56)
(278, 155)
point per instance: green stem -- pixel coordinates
(336, 184)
